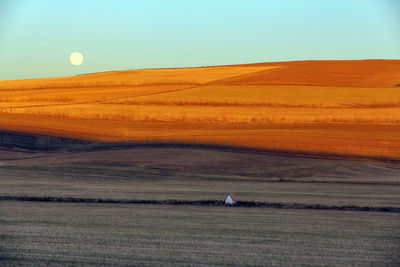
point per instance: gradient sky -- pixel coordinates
(37, 36)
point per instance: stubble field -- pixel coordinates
(40, 233)
(100, 234)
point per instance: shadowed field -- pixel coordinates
(164, 173)
(349, 108)
(33, 233)
(99, 234)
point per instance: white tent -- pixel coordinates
(230, 199)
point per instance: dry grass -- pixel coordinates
(81, 94)
(217, 95)
(367, 140)
(275, 96)
(50, 98)
(336, 73)
(214, 114)
(226, 104)
(135, 78)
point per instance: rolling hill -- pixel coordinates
(325, 108)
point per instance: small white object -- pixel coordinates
(230, 199)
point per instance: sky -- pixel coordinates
(37, 36)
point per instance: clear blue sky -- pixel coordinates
(37, 36)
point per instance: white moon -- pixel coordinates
(76, 58)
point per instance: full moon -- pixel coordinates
(76, 58)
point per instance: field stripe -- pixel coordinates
(249, 204)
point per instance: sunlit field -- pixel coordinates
(329, 107)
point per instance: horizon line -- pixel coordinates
(204, 66)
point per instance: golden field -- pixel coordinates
(349, 108)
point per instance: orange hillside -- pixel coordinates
(347, 73)
(319, 107)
